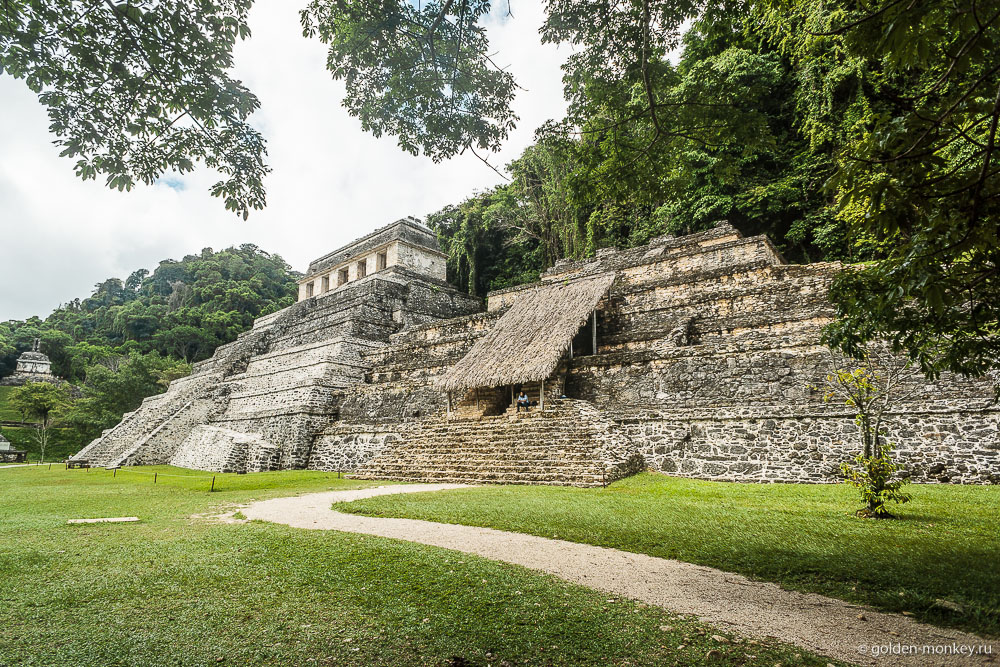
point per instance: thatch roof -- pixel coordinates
(527, 342)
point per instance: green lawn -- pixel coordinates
(946, 544)
(178, 590)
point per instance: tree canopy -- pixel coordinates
(911, 93)
(182, 310)
(136, 89)
(130, 338)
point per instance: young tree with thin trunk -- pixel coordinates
(872, 388)
(43, 401)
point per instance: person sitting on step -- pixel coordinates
(522, 401)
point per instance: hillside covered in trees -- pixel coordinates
(843, 130)
(736, 140)
(130, 338)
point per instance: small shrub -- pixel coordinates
(874, 477)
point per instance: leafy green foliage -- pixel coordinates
(843, 131)
(910, 92)
(421, 72)
(42, 401)
(484, 253)
(7, 411)
(136, 89)
(39, 400)
(875, 479)
(725, 144)
(871, 391)
(184, 310)
(117, 385)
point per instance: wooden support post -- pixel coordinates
(594, 332)
(541, 396)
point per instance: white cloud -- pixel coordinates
(331, 182)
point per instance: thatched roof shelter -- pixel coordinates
(527, 342)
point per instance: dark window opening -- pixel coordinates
(584, 340)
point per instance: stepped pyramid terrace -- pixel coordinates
(695, 356)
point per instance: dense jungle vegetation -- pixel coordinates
(130, 338)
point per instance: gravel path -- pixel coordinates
(829, 627)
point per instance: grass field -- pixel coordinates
(946, 545)
(178, 590)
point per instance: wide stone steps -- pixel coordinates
(134, 427)
(477, 479)
(473, 474)
(460, 460)
(563, 445)
(499, 452)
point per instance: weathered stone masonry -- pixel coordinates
(707, 349)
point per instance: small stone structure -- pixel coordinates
(694, 356)
(32, 366)
(10, 455)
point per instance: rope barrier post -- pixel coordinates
(154, 477)
(213, 484)
(114, 473)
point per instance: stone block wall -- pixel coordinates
(348, 447)
(709, 359)
(222, 450)
(780, 445)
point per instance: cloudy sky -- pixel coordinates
(331, 182)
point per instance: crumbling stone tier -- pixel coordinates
(706, 364)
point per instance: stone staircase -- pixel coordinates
(117, 444)
(569, 444)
